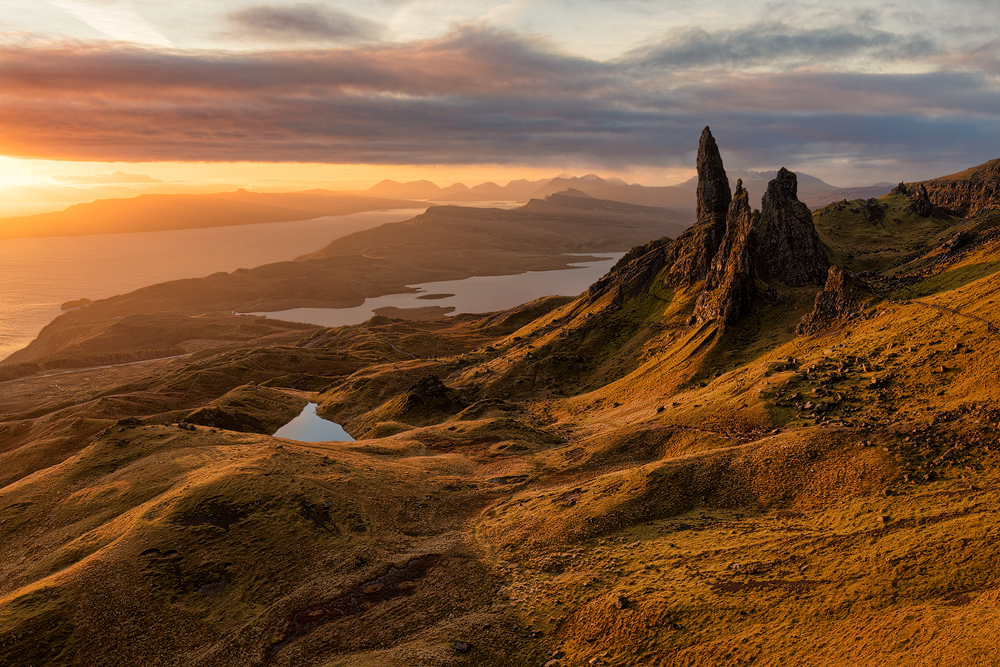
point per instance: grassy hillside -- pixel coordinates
(599, 480)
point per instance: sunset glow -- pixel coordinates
(477, 90)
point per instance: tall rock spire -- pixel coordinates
(730, 286)
(692, 254)
(787, 245)
(714, 193)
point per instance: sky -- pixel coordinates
(312, 93)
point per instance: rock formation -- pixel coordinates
(729, 247)
(633, 273)
(787, 245)
(921, 202)
(730, 286)
(967, 193)
(842, 299)
(691, 255)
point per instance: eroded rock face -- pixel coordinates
(842, 299)
(921, 202)
(633, 273)
(788, 247)
(714, 194)
(975, 191)
(691, 254)
(730, 286)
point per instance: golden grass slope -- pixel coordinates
(605, 485)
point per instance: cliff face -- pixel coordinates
(967, 193)
(788, 248)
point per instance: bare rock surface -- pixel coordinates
(967, 193)
(691, 255)
(842, 299)
(730, 286)
(788, 248)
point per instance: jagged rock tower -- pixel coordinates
(730, 287)
(788, 247)
(730, 247)
(693, 252)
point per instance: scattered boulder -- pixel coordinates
(920, 202)
(873, 210)
(461, 647)
(429, 385)
(229, 421)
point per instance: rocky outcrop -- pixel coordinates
(873, 209)
(967, 193)
(229, 421)
(921, 202)
(729, 289)
(691, 255)
(714, 193)
(842, 299)
(633, 273)
(788, 248)
(730, 247)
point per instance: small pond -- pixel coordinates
(310, 427)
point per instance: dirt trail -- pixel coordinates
(989, 325)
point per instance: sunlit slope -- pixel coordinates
(606, 479)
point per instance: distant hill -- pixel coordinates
(817, 200)
(147, 213)
(519, 190)
(613, 189)
(560, 222)
(618, 190)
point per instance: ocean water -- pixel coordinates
(39, 275)
(479, 294)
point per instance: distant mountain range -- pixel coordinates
(813, 191)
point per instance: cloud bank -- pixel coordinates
(772, 93)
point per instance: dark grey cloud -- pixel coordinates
(480, 95)
(302, 22)
(776, 43)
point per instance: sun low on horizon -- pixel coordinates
(310, 94)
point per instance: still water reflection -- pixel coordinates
(310, 427)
